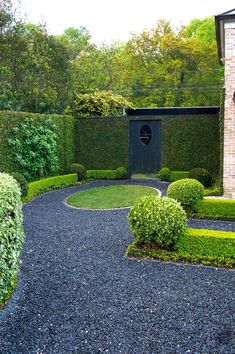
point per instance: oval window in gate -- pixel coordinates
(145, 134)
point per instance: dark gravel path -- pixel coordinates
(77, 292)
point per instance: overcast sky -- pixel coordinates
(109, 20)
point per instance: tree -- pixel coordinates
(99, 103)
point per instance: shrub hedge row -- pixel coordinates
(216, 209)
(48, 184)
(207, 247)
(11, 234)
(102, 143)
(207, 243)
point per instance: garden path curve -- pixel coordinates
(77, 293)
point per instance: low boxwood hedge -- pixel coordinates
(216, 209)
(206, 247)
(119, 173)
(213, 192)
(11, 234)
(50, 183)
(207, 243)
(101, 174)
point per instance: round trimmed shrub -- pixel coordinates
(22, 182)
(201, 175)
(11, 233)
(121, 173)
(155, 220)
(79, 169)
(165, 174)
(188, 192)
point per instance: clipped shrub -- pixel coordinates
(176, 175)
(155, 220)
(50, 183)
(207, 247)
(188, 192)
(209, 243)
(212, 191)
(201, 175)
(79, 169)
(22, 182)
(165, 174)
(11, 233)
(121, 173)
(101, 174)
(216, 209)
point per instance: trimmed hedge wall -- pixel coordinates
(191, 141)
(102, 143)
(11, 234)
(64, 131)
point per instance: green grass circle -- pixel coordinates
(110, 197)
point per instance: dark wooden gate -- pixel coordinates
(144, 146)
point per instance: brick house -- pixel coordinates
(225, 34)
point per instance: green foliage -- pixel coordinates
(101, 174)
(212, 191)
(181, 149)
(102, 143)
(48, 184)
(11, 233)
(134, 250)
(121, 173)
(165, 174)
(64, 136)
(176, 175)
(201, 175)
(208, 243)
(155, 220)
(34, 67)
(159, 67)
(22, 183)
(188, 192)
(216, 209)
(109, 197)
(99, 103)
(79, 169)
(35, 148)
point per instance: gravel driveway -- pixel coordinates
(77, 292)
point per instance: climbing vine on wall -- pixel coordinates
(34, 148)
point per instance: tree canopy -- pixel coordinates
(43, 73)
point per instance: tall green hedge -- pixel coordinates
(102, 143)
(191, 141)
(64, 131)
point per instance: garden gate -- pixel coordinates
(144, 146)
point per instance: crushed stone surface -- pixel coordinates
(78, 293)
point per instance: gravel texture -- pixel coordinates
(77, 293)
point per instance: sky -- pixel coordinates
(115, 20)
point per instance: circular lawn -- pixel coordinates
(110, 197)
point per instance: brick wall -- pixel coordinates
(229, 113)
